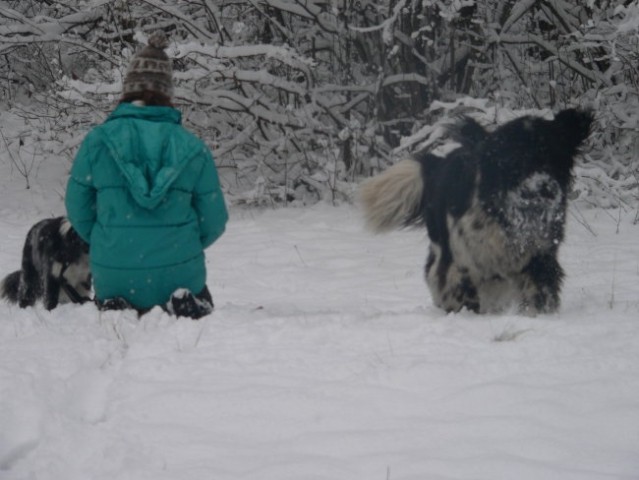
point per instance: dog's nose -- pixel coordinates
(547, 190)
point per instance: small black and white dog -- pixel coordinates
(55, 267)
(494, 208)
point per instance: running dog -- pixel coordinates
(494, 209)
(55, 267)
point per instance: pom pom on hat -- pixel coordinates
(150, 69)
(158, 40)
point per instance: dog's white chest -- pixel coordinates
(490, 244)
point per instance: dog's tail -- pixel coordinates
(393, 199)
(9, 287)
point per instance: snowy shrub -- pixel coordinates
(301, 99)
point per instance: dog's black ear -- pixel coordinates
(467, 132)
(574, 126)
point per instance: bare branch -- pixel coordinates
(200, 33)
(591, 75)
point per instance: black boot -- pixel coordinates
(115, 303)
(184, 304)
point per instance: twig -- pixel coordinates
(581, 220)
(21, 167)
(300, 256)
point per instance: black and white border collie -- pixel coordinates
(494, 208)
(55, 267)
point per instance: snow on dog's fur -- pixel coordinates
(55, 267)
(494, 208)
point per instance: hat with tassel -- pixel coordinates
(150, 69)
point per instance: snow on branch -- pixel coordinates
(189, 23)
(220, 51)
(280, 53)
(25, 31)
(308, 9)
(387, 25)
(51, 28)
(54, 38)
(216, 15)
(258, 108)
(559, 9)
(261, 77)
(591, 75)
(518, 11)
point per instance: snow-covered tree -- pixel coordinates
(298, 98)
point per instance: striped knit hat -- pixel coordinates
(150, 69)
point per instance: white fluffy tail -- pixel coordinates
(392, 199)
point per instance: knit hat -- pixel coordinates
(150, 69)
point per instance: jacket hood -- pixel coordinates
(150, 148)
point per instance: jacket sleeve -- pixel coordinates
(208, 202)
(80, 199)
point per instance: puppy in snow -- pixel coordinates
(55, 267)
(494, 209)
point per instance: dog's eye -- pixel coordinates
(547, 190)
(528, 194)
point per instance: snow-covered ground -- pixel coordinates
(325, 359)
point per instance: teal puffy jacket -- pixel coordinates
(144, 193)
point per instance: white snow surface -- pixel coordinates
(326, 360)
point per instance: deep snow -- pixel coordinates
(325, 359)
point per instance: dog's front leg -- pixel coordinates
(29, 287)
(540, 285)
(449, 284)
(51, 294)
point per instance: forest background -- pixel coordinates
(301, 99)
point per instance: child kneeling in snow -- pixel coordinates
(145, 194)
